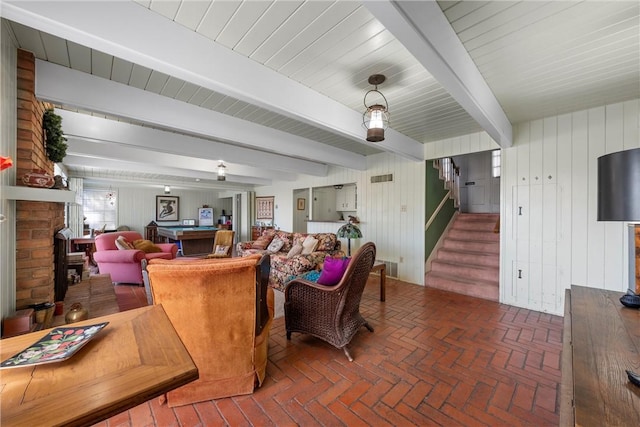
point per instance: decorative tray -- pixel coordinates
(58, 345)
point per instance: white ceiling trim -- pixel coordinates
(141, 160)
(425, 31)
(173, 145)
(131, 169)
(76, 89)
(134, 33)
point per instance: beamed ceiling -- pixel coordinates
(157, 92)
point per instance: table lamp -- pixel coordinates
(349, 231)
(619, 196)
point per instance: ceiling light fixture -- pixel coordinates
(221, 172)
(167, 189)
(376, 117)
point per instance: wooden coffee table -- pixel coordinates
(136, 357)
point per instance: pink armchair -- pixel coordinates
(124, 266)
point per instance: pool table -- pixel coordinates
(192, 240)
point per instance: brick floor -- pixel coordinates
(435, 358)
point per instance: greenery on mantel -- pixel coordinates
(55, 142)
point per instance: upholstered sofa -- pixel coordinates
(222, 310)
(124, 265)
(284, 265)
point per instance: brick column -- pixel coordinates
(36, 222)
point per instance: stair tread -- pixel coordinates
(462, 279)
(465, 264)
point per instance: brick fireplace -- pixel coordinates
(36, 222)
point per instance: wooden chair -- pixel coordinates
(331, 313)
(222, 244)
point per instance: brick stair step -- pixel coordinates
(464, 245)
(475, 288)
(467, 257)
(465, 271)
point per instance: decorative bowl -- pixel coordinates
(38, 178)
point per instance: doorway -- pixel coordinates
(300, 210)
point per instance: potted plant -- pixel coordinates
(55, 142)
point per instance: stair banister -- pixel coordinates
(435, 213)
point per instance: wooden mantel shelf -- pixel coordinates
(38, 194)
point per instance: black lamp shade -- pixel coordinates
(619, 186)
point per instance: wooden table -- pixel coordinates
(601, 340)
(136, 357)
(193, 240)
(382, 269)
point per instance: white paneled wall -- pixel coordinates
(398, 233)
(8, 126)
(550, 236)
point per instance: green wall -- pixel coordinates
(435, 193)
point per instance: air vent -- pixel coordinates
(391, 268)
(382, 178)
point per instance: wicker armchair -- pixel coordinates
(331, 313)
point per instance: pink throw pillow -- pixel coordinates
(333, 270)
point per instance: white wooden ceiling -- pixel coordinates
(275, 88)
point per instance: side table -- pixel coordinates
(381, 268)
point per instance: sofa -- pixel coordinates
(222, 310)
(284, 265)
(124, 265)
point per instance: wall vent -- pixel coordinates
(391, 268)
(382, 178)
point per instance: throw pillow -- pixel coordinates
(295, 250)
(275, 245)
(146, 246)
(123, 244)
(333, 270)
(221, 250)
(309, 245)
(263, 241)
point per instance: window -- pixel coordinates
(495, 163)
(100, 207)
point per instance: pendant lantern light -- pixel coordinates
(376, 117)
(221, 172)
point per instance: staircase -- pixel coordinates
(468, 261)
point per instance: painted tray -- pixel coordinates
(58, 345)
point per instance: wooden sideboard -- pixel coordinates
(601, 340)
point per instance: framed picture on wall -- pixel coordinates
(264, 207)
(167, 208)
(205, 216)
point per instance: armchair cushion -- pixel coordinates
(123, 244)
(333, 270)
(146, 246)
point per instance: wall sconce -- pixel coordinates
(167, 189)
(376, 117)
(221, 172)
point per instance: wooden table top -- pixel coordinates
(136, 357)
(606, 341)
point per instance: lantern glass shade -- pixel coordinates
(221, 172)
(376, 120)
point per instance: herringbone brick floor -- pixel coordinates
(435, 358)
